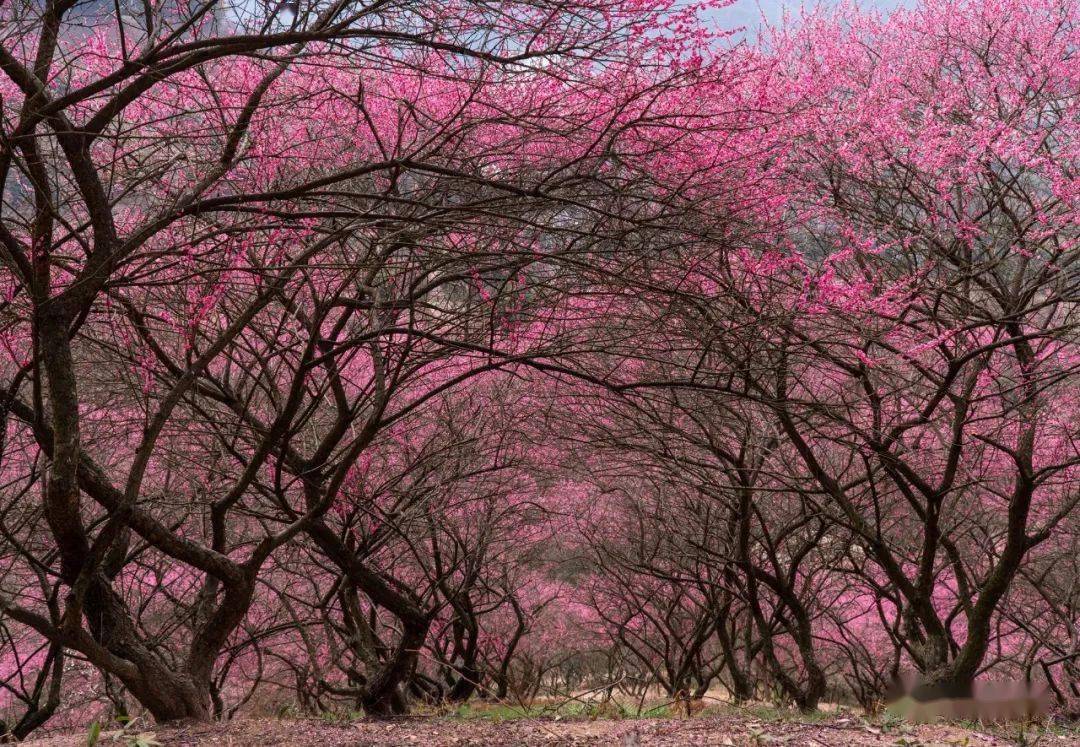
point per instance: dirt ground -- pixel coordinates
(737, 730)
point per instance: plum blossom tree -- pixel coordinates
(899, 306)
(252, 243)
(373, 352)
(952, 204)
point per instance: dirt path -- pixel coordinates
(721, 731)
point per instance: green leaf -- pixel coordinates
(94, 735)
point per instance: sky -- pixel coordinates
(749, 13)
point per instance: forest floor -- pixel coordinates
(490, 727)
